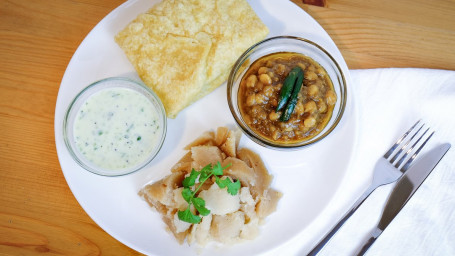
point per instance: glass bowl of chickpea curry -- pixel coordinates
(286, 92)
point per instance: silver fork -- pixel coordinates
(386, 171)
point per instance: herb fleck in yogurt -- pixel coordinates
(117, 128)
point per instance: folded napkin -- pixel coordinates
(388, 102)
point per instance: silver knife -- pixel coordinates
(404, 189)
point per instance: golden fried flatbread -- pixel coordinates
(185, 49)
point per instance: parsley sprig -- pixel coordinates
(189, 195)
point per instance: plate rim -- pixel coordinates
(350, 108)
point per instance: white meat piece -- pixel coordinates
(219, 201)
(180, 226)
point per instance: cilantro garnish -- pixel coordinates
(232, 187)
(189, 195)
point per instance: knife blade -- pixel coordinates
(405, 189)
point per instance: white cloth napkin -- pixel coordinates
(388, 102)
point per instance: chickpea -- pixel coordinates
(259, 86)
(248, 119)
(313, 90)
(251, 100)
(288, 128)
(262, 115)
(302, 128)
(331, 97)
(299, 109)
(273, 116)
(262, 70)
(264, 78)
(276, 135)
(310, 75)
(310, 106)
(260, 98)
(322, 107)
(256, 110)
(319, 83)
(291, 134)
(251, 81)
(274, 102)
(268, 91)
(280, 69)
(309, 122)
(302, 65)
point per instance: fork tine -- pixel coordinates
(400, 140)
(411, 159)
(410, 149)
(406, 144)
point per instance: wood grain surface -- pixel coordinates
(38, 213)
(390, 33)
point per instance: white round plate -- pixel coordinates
(308, 178)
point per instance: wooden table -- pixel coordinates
(38, 213)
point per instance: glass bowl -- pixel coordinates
(294, 45)
(115, 126)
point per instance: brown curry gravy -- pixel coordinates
(259, 93)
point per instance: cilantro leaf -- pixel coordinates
(233, 187)
(188, 216)
(205, 173)
(190, 180)
(222, 183)
(217, 169)
(187, 194)
(199, 204)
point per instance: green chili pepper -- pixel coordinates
(288, 86)
(293, 99)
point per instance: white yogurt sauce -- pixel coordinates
(117, 128)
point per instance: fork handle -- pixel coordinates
(340, 223)
(369, 242)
